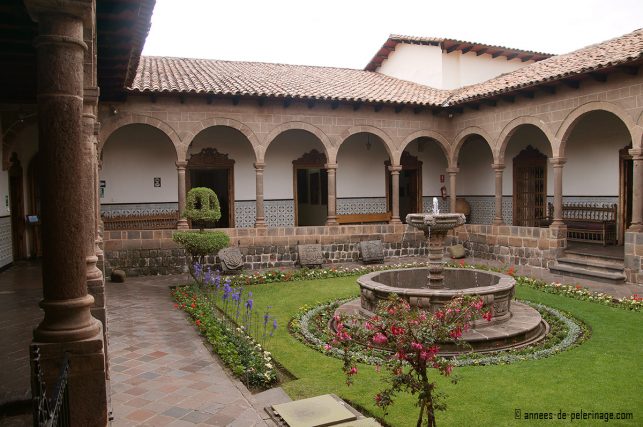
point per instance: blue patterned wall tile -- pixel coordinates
(280, 213)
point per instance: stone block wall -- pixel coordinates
(154, 252)
(512, 245)
(634, 256)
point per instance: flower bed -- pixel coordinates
(311, 327)
(231, 338)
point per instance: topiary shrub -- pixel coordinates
(202, 206)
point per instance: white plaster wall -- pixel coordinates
(360, 171)
(430, 66)
(526, 135)
(278, 173)
(4, 190)
(476, 177)
(132, 157)
(434, 164)
(416, 63)
(592, 167)
(233, 143)
(475, 69)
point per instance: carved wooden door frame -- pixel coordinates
(313, 159)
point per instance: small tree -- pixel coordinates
(202, 206)
(411, 337)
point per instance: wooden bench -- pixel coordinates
(590, 222)
(364, 218)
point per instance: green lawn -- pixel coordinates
(603, 374)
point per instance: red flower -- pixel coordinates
(511, 271)
(193, 305)
(176, 306)
(487, 316)
(461, 263)
(198, 322)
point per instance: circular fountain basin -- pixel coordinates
(513, 324)
(495, 289)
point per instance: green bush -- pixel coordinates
(202, 205)
(201, 243)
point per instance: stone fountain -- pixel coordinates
(513, 324)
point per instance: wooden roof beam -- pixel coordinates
(549, 89)
(574, 84)
(378, 107)
(599, 77)
(481, 51)
(631, 70)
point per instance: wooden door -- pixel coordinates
(310, 189)
(529, 188)
(626, 177)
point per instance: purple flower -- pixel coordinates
(249, 304)
(265, 319)
(236, 295)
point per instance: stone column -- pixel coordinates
(180, 169)
(557, 164)
(395, 193)
(453, 172)
(67, 199)
(331, 169)
(260, 213)
(95, 282)
(637, 190)
(498, 169)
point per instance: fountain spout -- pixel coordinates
(435, 227)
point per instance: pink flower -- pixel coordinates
(487, 316)
(379, 338)
(456, 333)
(327, 347)
(416, 346)
(439, 314)
(478, 304)
(353, 370)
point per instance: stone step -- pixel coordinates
(584, 273)
(579, 254)
(593, 264)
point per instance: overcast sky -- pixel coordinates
(347, 33)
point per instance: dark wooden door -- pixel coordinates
(529, 188)
(218, 181)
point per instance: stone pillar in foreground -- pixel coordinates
(95, 282)
(260, 216)
(637, 190)
(453, 172)
(558, 163)
(180, 169)
(395, 193)
(498, 169)
(68, 326)
(331, 169)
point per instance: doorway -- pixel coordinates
(530, 188)
(34, 216)
(310, 189)
(626, 181)
(410, 186)
(215, 171)
(16, 205)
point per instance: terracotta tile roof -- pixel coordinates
(621, 50)
(183, 75)
(450, 45)
(258, 79)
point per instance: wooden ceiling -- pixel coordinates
(122, 26)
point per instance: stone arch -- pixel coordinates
(220, 121)
(511, 127)
(462, 136)
(568, 125)
(388, 141)
(123, 119)
(10, 135)
(442, 142)
(275, 132)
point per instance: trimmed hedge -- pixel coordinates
(202, 204)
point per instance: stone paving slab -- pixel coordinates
(161, 372)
